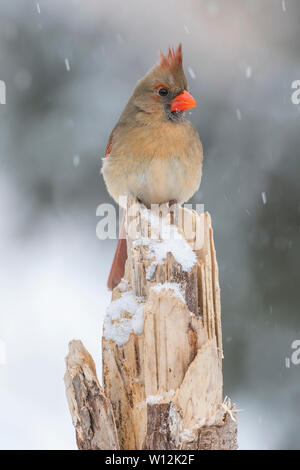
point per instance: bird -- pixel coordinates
(154, 153)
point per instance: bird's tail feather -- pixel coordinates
(118, 265)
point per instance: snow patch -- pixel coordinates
(187, 435)
(174, 287)
(123, 285)
(153, 399)
(175, 421)
(150, 271)
(171, 241)
(123, 316)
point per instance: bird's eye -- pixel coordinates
(163, 91)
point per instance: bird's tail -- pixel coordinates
(118, 265)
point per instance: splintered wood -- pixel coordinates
(162, 339)
(91, 411)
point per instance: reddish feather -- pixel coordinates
(118, 265)
(172, 59)
(160, 85)
(108, 147)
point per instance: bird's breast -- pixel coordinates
(155, 165)
(159, 180)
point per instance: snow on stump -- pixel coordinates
(162, 338)
(161, 344)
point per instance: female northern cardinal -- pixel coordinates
(154, 153)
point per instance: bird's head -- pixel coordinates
(163, 91)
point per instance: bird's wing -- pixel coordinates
(109, 145)
(118, 265)
(110, 141)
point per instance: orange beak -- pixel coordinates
(183, 102)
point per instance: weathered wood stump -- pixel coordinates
(162, 338)
(91, 411)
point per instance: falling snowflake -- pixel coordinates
(67, 64)
(2, 352)
(76, 160)
(264, 197)
(283, 6)
(38, 8)
(2, 92)
(248, 71)
(192, 73)
(238, 114)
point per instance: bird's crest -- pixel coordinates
(171, 60)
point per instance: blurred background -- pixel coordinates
(69, 68)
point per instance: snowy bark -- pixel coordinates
(161, 344)
(90, 410)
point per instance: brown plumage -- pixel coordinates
(154, 152)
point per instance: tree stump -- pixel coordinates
(162, 337)
(91, 411)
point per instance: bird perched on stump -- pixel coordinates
(154, 153)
